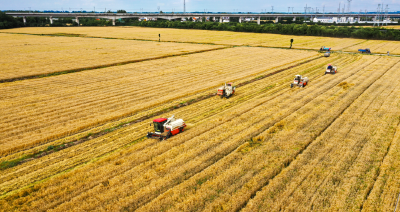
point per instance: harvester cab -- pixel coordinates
(331, 69)
(327, 54)
(299, 81)
(165, 128)
(226, 90)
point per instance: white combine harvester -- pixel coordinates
(331, 69)
(165, 128)
(299, 81)
(226, 90)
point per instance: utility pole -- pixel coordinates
(272, 9)
(292, 10)
(288, 10)
(184, 6)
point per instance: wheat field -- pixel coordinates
(76, 141)
(28, 55)
(199, 36)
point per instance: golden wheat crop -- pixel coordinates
(199, 36)
(332, 145)
(27, 55)
(341, 165)
(47, 166)
(377, 46)
(35, 111)
(112, 187)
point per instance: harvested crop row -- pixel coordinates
(386, 191)
(377, 46)
(230, 182)
(109, 166)
(188, 143)
(29, 55)
(337, 170)
(44, 109)
(200, 36)
(53, 164)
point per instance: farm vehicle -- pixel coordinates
(299, 81)
(368, 51)
(165, 128)
(226, 90)
(331, 69)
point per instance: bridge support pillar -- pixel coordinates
(24, 19)
(294, 18)
(240, 19)
(276, 19)
(214, 18)
(51, 20)
(113, 21)
(258, 20)
(77, 20)
(220, 19)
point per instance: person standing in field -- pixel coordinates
(388, 53)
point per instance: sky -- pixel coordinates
(196, 5)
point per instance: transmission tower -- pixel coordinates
(377, 17)
(348, 6)
(386, 17)
(184, 6)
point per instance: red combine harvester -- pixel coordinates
(165, 128)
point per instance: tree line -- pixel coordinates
(286, 27)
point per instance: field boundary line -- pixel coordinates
(106, 65)
(111, 38)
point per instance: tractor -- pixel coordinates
(226, 90)
(331, 69)
(299, 81)
(165, 128)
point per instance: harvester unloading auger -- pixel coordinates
(226, 90)
(165, 128)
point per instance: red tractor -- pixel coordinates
(165, 128)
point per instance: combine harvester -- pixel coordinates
(226, 90)
(365, 51)
(331, 69)
(165, 128)
(299, 81)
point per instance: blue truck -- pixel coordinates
(323, 48)
(365, 51)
